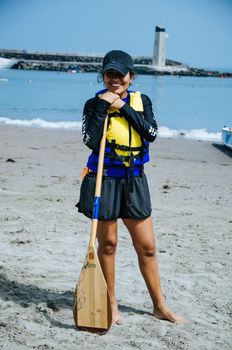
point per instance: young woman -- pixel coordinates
(125, 194)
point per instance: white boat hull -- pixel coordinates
(6, 63)
(227, 137)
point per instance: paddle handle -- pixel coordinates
(97, 196)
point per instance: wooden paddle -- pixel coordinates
(92, 309)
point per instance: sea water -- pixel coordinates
(190, 107)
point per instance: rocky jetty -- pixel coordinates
(71, 62)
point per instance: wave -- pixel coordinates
(41, 123)
(194, 134)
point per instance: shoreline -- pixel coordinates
(44, 241)
(164, 132)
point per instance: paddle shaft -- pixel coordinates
(97, 195)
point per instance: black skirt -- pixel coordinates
(116, 200)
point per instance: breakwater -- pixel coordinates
(74, 62)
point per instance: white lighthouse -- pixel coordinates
(158, 59)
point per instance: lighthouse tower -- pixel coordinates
(158, 59)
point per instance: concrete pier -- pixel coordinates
(78, 62)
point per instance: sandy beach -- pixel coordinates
(44, 240)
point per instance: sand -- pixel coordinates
(44, 240)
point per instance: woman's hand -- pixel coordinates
(109, 97)
(117, 104)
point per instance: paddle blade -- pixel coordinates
(92, 309)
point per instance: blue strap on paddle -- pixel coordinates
(96, 207)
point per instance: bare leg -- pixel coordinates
(143, 238)
(107, 243)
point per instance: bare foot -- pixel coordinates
(116, 316)
(163, 313)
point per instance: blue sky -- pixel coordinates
(200, 31)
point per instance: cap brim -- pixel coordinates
(116, 66)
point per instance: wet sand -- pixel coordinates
(44, 241)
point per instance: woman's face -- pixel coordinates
(117, 83)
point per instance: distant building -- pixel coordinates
(158, 58)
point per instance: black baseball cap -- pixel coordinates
(118, 60)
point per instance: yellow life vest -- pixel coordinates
(121, 133)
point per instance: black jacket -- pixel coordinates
(95, 111)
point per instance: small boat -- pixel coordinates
(6, 63)
(227, 137)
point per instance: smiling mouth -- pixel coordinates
(115, 84)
